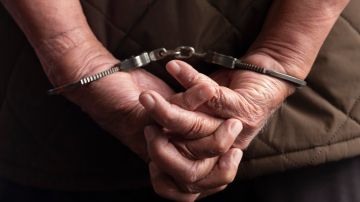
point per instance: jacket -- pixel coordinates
(47, 141)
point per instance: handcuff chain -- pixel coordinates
(181, 52)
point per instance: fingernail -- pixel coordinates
(147, 101)
(173, 67)
(148, 132)
(236, 127)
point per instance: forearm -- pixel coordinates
(64, 43)
(68, 51)
(59, 32)
(42, 20)
(289, 42)
(295, 31)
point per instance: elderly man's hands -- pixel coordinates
(191, 153)
(113, 102)
(249, 96)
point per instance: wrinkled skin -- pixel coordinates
(200, 157)
(204, 160)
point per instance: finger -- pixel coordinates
(245, 138)
(189, 124)
(194, 97)
(165, 187)
(213, 145)
(171, 161)
(226, 103)
(223, 173)
(186, 75)
(251, 112)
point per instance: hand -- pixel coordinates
(182, 169)
(247, 96)
(181, 149)
(113, 101)
(180, 166)
(176, 177)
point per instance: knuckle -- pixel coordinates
(192, 78)
(197, 78)
(167, 117)
(197, 126)
(220, 147)
(218, 100)
(187, 102)
(191, 175)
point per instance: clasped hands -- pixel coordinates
(195, 143)
(194, 139)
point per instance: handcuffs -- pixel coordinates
(182, 52)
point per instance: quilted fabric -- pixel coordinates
(319, 123)
(314, 124)
(49, 142)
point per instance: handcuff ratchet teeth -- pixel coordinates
(181, 52)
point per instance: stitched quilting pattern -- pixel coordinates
(335, 135)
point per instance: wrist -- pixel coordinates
(282, 87)
(292, 64)
(71, 55)
(294, 32)
(63, 41)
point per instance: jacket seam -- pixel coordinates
(134, 25)
(347, 118)
(324, 98)
(354, 119)
(221, 36)
(336, 132)
(349, 23)
(216, 9)
(302, 150)
(111, 24)
(346, 114)
(283, 155)
(226, 18)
